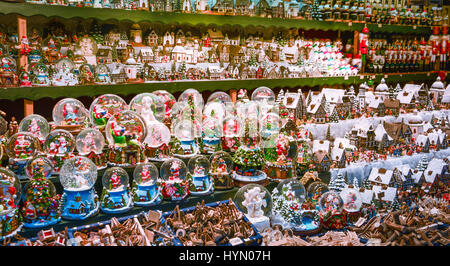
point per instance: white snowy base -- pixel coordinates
(260, 223)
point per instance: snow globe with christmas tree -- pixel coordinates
(221, 170)
(104, 107)
(116, 196)
(59, 146)
(212, 134)
(10, 191)
(70, 114)
(90, 143)
(265, 97)
(64, 75)
(255, 202)
(157, 142)
(41, 203)
(102, 75)
(201, 183)
(125, 133)
(36, 125)
(175, 185)
(352, 203)
(191, 107)
(231, 127)
(331, 211)
(21, 147)
(183, 145)
(146, 188)
(249, 159)
(280, 151)
(79, 200)
(168, 100)
(270, 125)
(40, 75)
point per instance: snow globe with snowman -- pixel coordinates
(90, 143)
(221, 170)
(255, 202)
(352, 203)
(104, 107)
(330, 211)
(116, 195)
(79, 200)
(146, 188)
(201, 183)
(10, 190)
(21, 147)
(70, 114)
(231, 127)
(65, 75)
(59, 146)
(175, 185)
(102, 75)
(40, 75)
(36, 125)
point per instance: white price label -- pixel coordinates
(350, 24)
(414, 27)
(385, 76)
(380, 25)
(346, 78)
(236, 241)
(361, 77)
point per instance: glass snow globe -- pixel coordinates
(168, 101)
(39, 165)
(184, 144)
(36, 125)
(201, 181)
(221, 170)
(116, 196)
(352, 203)
(146, 187)
(104, 107)
(212, 134)
(78, 176)
(216, 110)
(64, 75)
(173, 174)
(125, 133)
(87, 75)
(90, 143)
(25, 79)
(149, 106)
(70, 114)
(102, 75)
(21, 147)
(315, 191)
(255, 202)
(330, 210)
(193, 98)
(280, 151)
(10, 191)
(40, 75)
(219, 96)
(8, 71)
(231, 127)
(59, 146)
(265, 97)
(157, 142)
(270, 124)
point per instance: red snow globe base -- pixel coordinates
(334, 221)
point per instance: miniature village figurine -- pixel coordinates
(146, 186)
(201, 183)
(116, 196)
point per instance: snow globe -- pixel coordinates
(255, 202)
(36, 125)
(64, 75)
(270, 124)
(193, 98)
(86, 74)
(330, 211)
(184, 145)
(265, 97)
(25, 79)
(249, 159)
(288, 200)
(10, 190)
(70, 114)
(231, 132)
(211, 133)
(8, 77)
(280, 151)
(173, 173)
(125, 133)
(168, 101)
(146, 186)
(219, 96)
(21, 147)
(59, 146)
(79, 200)
(352, 203)
(116, 196)
(41, 203)
(149, 106)
(157, 142)
(201, 182)
(40, 75)
(90, 143)
(221, 170)
(102, 74)
(314, 193)
(104, 107)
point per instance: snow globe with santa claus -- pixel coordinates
(90, 143)
(146, 188)
(255, 202)
(201, 183)
(79, 200)
(104, 107)
(175, 185)
(168, 100)
(157, 142)
(352, 200)
(102, 75)
(231, 128)
(221, 170)
(116, 195)
(36, 125)
(70, 114)
(280, 151)
(331, 210)
(10, 190)
(59, 146)
(125, 133)
(21, 147)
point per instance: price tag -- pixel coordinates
(373, 77)
(350, 24)
(428, 74)
(414, 27)
(380, 25)
(346, 78)
(385, 76)
(361, 77)
(236, 241)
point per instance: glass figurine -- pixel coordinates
(146, 187)
(90, 143)
(104, 107)
(116, 195)
(201, 181)
(173, 174)
(10, 191)
(255, 202)
(221, 170)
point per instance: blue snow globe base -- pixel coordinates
(116, 202)
(39, 223)
(189, 147)
(79, 205)
(203, 185)
(148, 195)
(18, 168)
(211, 145)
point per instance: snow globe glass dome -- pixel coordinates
(219, 96)
(265, 97)
(352, 200)
(212, 133)
(168, 100)
(104, 107)
(149, 106)
(146, 187)
(10, 194)
(36, 125)
(39, 165)
(102, 75)
(175, 185)
(255, 202)
(280, 151)
(270, 124)
(25, 79)
(116, 197)
(215, 110)
(21, 147)
(185, 133)
(157, 142)
(250, 109)
(40, 75)
(7, 64)
(315, 190)
(86, 73)
(331, 202)
(59, 143)
(64, 73)
(70, 114)
(221, 169)
(90, 143)
(201, 181)
(192, 97)
(78, 176)
(231, 127)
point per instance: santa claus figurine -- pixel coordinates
(115, 180)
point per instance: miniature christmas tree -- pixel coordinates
(339, 183)
(300, 60)
(182, 70)
(423, 164)
(280, 39)
(355, 183)
(96, 33)
(253, 61)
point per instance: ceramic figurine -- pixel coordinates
(256, 202)
(59, 146)
(104, 107)
(175, 186)
(90, 143)
(52, 52)
(116, 196)
(10, 219)
(146, 186)
(201, 181)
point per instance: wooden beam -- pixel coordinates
(28, 106)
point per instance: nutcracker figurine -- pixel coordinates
(444, 47)
(436, 45)
(363, 46)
